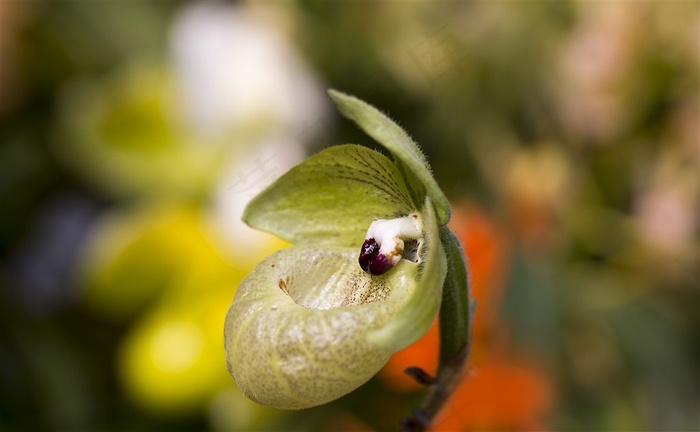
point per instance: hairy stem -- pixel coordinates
(455, 316)
(455, 320)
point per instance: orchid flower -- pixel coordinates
(364, 278)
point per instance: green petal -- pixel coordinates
(331, 198)
(295, 335)
(415, 317)
(410, 159)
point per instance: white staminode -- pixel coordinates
(390, 234)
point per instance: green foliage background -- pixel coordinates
(573, 124)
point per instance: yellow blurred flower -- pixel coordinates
(164, 261)
(171, 359)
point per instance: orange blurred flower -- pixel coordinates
(496, 396)
(498, 393)
(422, 354)
(485, 250)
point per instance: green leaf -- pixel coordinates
(410, 159)
(295, 335)
(331, 198)
(417, 314)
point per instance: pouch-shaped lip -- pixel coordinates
(295, 334)
(308, 325)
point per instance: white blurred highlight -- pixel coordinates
(246, 176)
(237, 74)
(234, 69)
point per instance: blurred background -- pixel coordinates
(132, 134)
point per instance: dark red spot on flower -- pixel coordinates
(379, 265)
(369, 250)
(371, 260)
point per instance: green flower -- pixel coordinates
(310, 324)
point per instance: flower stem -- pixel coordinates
(455, 314)
(455, 320)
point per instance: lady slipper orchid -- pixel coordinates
(363, 279)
